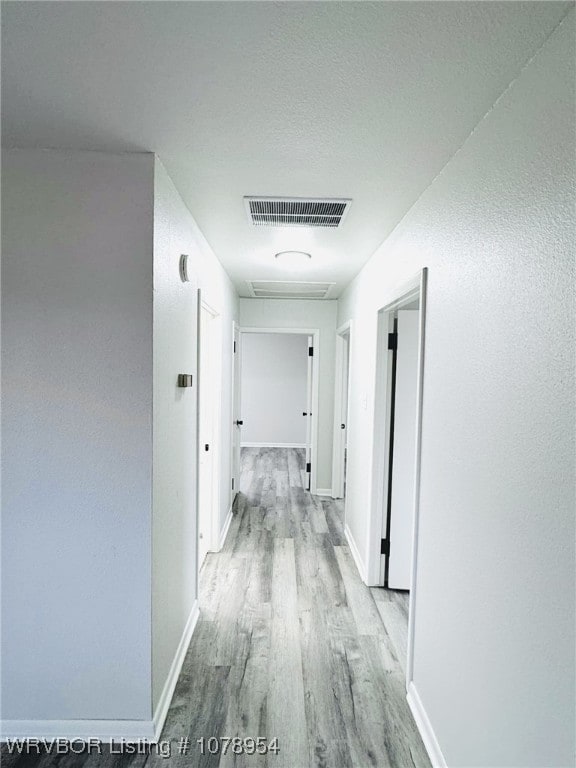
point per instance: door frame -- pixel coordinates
(215, 377)
(399, 297)
(235, 388)
(338, 477)
(315, 333)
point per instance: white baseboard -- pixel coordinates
(224, 531)
(355, 553)
(324, 492)
(102, 730)
(273, 445)
(176, 666)
(109, 730)
(424, 726)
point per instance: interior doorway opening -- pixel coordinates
(276, 394)
(209, 399)
(397, 437)
(341, 389)
(236, 417)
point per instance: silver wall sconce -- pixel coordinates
(184, 268)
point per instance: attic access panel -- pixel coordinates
(288, 289)
(296, 212)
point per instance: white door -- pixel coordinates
(309, 411)
(236, 417)
(205, 437)
(340, 441)
(344, 413)
(404, 456)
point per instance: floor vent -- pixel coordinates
(296, 212)
(277, 289)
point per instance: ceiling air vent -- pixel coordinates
(287, 289)
(295, 211)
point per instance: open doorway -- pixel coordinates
(236, 417)
(209, 398)
(276, 388)
(341, 389)
(393, 546)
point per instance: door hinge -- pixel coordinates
(393, 340)
(308, 467)
(310, 351)
(234, 347)
(385, 547)
(232, 483)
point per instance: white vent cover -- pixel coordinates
(295, 211)
(288, 289)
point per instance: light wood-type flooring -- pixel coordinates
(290, 644)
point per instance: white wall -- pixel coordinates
(94, 317)
(494, 632)
(175, 342)
(308, 314)
(219, 292)
(274, 388)
(77, 435)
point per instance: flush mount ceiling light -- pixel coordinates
(301, 255)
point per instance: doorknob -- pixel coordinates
(207, 447)
(239, 423)
(342, 426)
(304, 413)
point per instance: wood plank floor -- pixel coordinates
(392, 606)
(290, 644)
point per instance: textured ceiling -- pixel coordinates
(324, 99)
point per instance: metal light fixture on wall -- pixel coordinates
(183, 266)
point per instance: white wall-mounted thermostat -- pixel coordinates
(184, 268)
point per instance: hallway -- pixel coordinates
(290, 643)
(268, 226)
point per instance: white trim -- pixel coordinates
(103, 730)
(273, 445)
(315, 333)
(417, 474)
(344, 328)
(324, 492)
(337, 482)
(425, 728)
(175, 667)
(267, 329)
(355, 553)
(225, 527)
(337, 448)
(234, 401)
(216, 384)
(399, 296)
